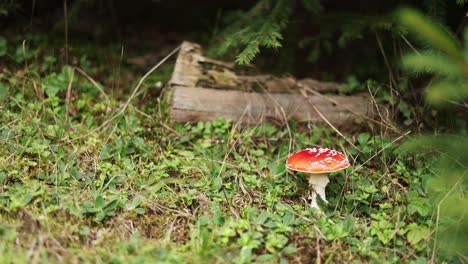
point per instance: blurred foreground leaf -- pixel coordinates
(448, 62)
(431, 33)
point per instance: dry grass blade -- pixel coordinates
(67, 99)
(372, 157)
(96, 85)
(382, 123)
(334, 128)
(136, 89)
(381, 150)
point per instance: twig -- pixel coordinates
(233, 144)
(373, 156)
(165, 208)
(382, 149)
(23, 45)
(67, 99)
(116, 72)
(317, 249)
(384, 120)
(201, 58)
(135, 90)
(387, 63)
(409, 44)
(308, 89)
(12, 122)
(334, 128)
(92, 81)
(168, 128)
(283, 115)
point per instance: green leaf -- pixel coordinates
(99, 201)
(246, 254)
(419, 206)
(217, 183)
(111, 205)
(275, 241)
(52, 85)
(218, 218)
(363, 138)
(137, 201)
(88, 207)
(21, 200)
(55, 83)
(100, 216)
(204, 220)
(22, 53)
(3, 177)
(261, 218)
(140, 210)
(267, 258)
(85, 231)
(417, 233)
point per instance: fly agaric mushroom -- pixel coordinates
(318, 163)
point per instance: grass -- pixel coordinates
(78, 185)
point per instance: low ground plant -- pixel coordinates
(77, 185)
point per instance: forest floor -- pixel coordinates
(90, 173)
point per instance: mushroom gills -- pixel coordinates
(318, 182)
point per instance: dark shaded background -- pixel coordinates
(154, 26)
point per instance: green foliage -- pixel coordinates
(139, 188)
(267, 22)
(449, 65)
(8, 6)
(142, 188)
(447, 61)
(449, 186)
(55, 83)
(260, 27)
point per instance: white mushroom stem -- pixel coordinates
(318, 182)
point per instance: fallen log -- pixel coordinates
(204, 89)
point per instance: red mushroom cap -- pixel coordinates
(315, 160)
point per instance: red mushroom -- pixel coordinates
(317, 162)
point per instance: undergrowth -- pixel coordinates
(79, 186)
